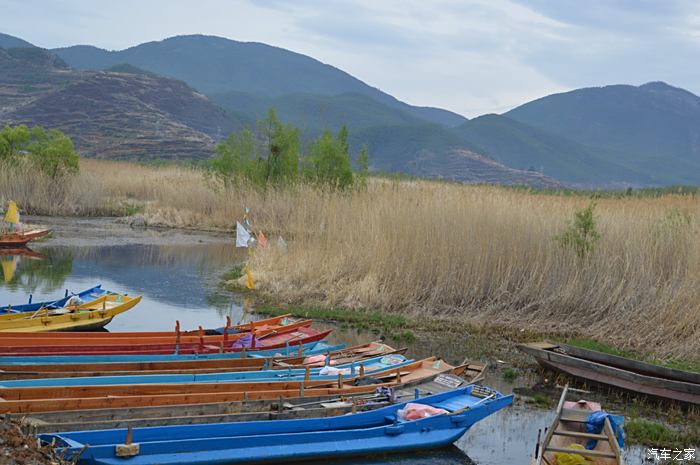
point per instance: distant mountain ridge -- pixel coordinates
(612, 136)
(215, 65)
(108, 114)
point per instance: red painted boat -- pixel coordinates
(301, 335)
(21, 238)
(261, 329)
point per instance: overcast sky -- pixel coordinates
(469, 56)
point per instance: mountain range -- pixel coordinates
(176, 97)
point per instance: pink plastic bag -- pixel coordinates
(417, 411)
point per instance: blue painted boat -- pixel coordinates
(370, 365)
(88, 294)
(312, 348)
(370, 432)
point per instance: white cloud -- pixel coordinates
(471, 57)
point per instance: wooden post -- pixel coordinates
(307, 373)
(398, 375)
(226, 328)
(301, 350)
(221, 347)
(243, 355)
(128, 449)
(177, 336)
(354, 406)
(362, 371)
(201, 339)
(340, 380)
(301, 390)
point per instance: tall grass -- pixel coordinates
(482, 254)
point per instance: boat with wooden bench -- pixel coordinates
(311, 348)
(383, 430)
(368, 366)
(85, 295)
(46, 399)
(313, 404)
(22, 237)
(567, 435)
(49, 343)
(88, 316)
(293, 334)
(64, 370)
(618, 372)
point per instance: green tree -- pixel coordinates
(581, 235)
(282, 160)
(237, 158)
(53, 152)
(363, 165)
(13, 141)
(330, 161)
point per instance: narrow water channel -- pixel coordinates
(178, 274)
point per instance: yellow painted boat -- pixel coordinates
(85, 316)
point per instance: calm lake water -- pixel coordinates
(178, 275)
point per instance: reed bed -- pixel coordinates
(484, 255)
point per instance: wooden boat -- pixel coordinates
(38, 342)
(47, 399)
(88, 294)
(374, 431)
(313, 404)
(33, 371)
(96, 292)
(20, 238)
(311, 348)
(368, 366)
(93, 315)
(618, 372)
(566, 435)
(294, 334)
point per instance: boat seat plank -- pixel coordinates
(584, 452)
(576, 434)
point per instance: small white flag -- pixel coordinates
(242, 235)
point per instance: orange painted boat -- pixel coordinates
(291, 336)
(47, 399)
(268, 323)
(37, 341)
(20, 238)
(65, 370)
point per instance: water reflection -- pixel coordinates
(178, 282)
(448, 456)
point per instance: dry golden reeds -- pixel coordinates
(482, 254)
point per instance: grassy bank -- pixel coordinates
(440, 252)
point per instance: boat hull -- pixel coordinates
(371, 432)
(21, 238)
(612, 376)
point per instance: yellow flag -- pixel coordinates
(9, 265)
(249, 284)
(12, 214)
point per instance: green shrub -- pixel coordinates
(581, 235)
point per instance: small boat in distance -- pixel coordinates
(88, 294)
(567, 436)
(619, 372)
(13, 233)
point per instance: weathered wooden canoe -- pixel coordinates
(33, 371)
(368, 366)
(20, 238)
(311, 405)
(566, 435)
(312, 348)
(93, 315)
(88, 294)
(293, 334)
(617, 372)
(55, 343)
(374, 431)
(47, 399)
